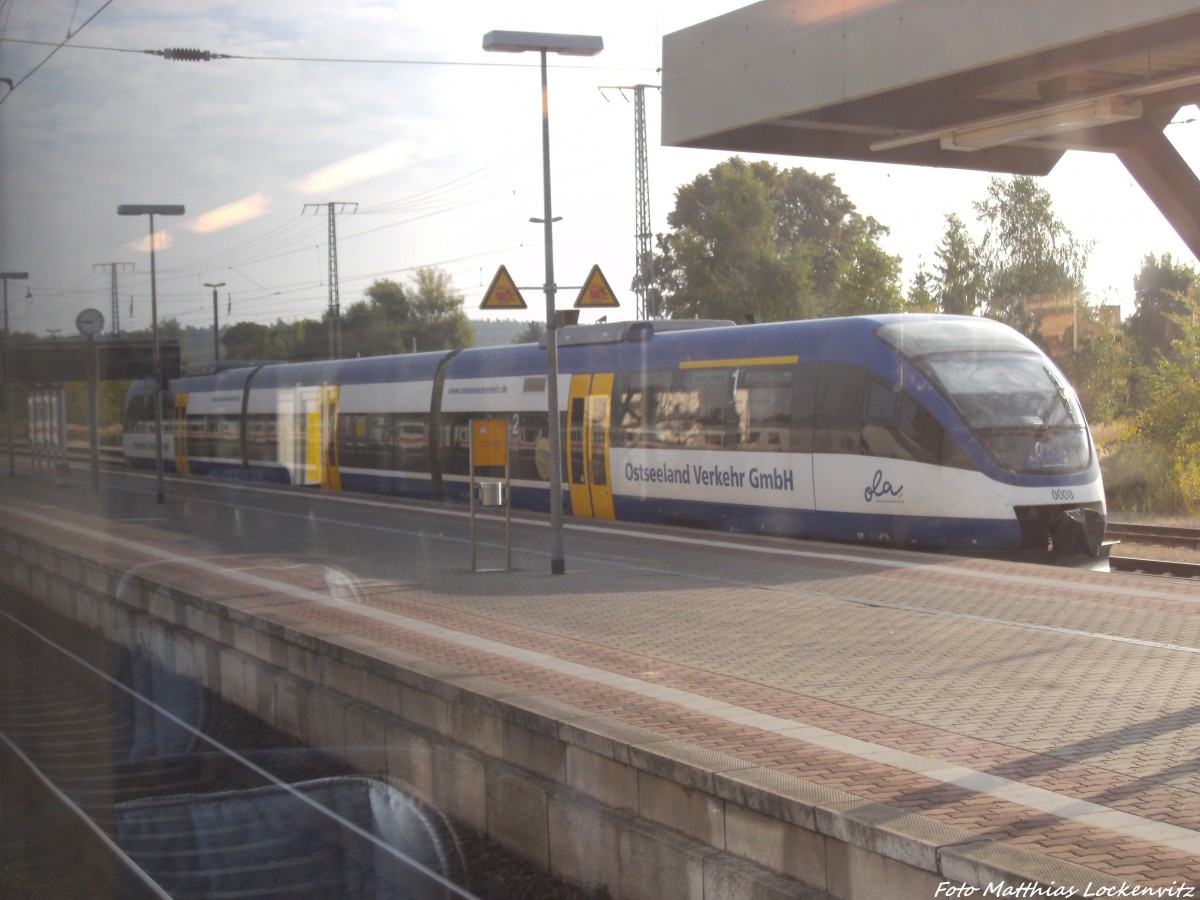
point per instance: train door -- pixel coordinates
(179, 427)
(316, 416)
(310, 448)
(330, 475)
(589, 410)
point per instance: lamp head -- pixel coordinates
(563, 44)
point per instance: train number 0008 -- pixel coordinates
(1062, 494)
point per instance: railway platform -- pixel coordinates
(682, 713)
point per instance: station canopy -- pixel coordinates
(993, 86)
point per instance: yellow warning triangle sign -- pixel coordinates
(596, 291)
(503, 293)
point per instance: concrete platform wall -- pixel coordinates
(593, 800)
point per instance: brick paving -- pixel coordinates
(1060, 686)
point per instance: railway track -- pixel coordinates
(1157, 535)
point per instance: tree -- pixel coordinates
(377, 325)
(248, 341)
(1165, 294)
(532, 334)
(396, 319)
(721, 261)
(1099, 367)
(748, 238)
(869, 278)
(919, 298)
(438, 321)
(1028, 252)
(958, 278)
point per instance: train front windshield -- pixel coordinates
(1016, 402)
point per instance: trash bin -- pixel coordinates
(491, 492)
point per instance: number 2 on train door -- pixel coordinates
(589, 411)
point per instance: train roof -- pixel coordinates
(363, 370)
(621, 346)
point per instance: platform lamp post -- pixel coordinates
(6, 277)
(151, 210)
(566, 45)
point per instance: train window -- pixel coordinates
(897, 427)
(408, 437)
(353, 444)
(139, 413)
(228, 436)
(862, 414)
(636, 395)
(261, 437)
(708, 409)
(532, 436)
(597, 410)
(881, 401)
(839, 412)
(705, 397)
(578, 476)
(763, 409)
(199, 437)
(454, 444)
(383, 442)
(804, 398)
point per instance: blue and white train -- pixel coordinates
(940, 432)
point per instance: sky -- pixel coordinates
(429, 147)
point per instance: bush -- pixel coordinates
(106, 436)
(1187, 476)
(1143, 477)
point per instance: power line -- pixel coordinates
(191, 55)
(70, 34)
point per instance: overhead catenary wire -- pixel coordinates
(70, 34)
(293, 238)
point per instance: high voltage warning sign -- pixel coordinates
(503, 293)
(596, 291)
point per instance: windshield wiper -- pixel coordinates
(1062, 394)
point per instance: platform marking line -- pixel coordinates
(1042, 800)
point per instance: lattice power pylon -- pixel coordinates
(335, 305)
(115, 323)
(642, 235)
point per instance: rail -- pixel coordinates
(1166, 535)
(1161, 535)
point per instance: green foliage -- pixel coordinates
(532, 334)
(1137, 473)
(959, 278)
(250, 341)
(1026, 250)
(1165, 293)
(391, 318)
(750, 239)
(394, 319)
(1172, 415)
(1153, 464)
(1099, 369)
(920, 297)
